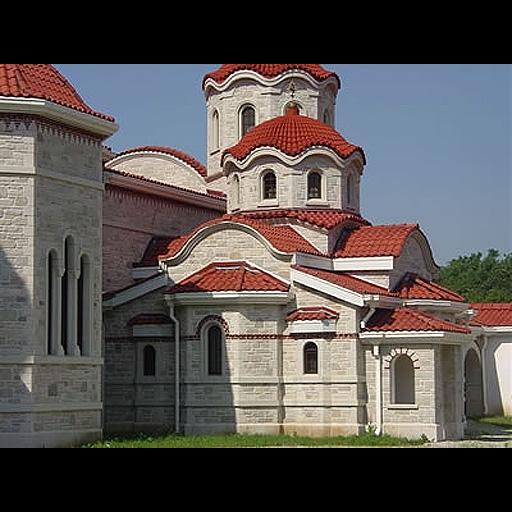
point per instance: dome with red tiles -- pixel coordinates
(42, 81)
(292, 134)
(270, 71)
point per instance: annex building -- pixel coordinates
(146, 291)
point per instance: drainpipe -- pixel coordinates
(378, 378)
(177, 366)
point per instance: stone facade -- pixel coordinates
(50, 352)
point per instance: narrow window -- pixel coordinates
(404, 387)
(215, 350)
(65, 297)
(50, 308)
(311, 359)
(350, 184)
(248, 120)
(314, 185)
(149, 361)
(83, 307)
(269, 186)
(236, 191)
(216, 130)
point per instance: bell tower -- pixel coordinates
(240, 97)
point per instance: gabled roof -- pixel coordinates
(42, 81)
(292, 135)
(270, 71)
(375, 241)
(492, 315)
(413, 286)
(409, 320)
(230, 277)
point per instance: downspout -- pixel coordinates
(378, 379)
(484, 373)
(378, 376)
(177, 368)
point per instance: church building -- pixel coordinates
(146, 291)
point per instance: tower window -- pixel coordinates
(314, 185)
(269, 186)
(248, 119)
(216, 130)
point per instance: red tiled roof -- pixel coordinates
(414, 287)
(346, 281)
(326, 218)
(157, 245)
(409, 320)
(230, 277)
(375, 241)
(270, 71)
(292, 134)
(283, 238)
(492, 315)
(311, 314)
(187, 159)
(42, 81)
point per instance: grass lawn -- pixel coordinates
(501, 421)
(248, 441)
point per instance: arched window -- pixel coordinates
(314, 185)
(216, 130)
(66, 283)
(84, 307)
(269, 186)
(236, 191)
(52, 301)
(248, 118)
(350, 187)
(311, 359)
(404, 392)
(215, 351)
(149, 361)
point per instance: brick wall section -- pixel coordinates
(130, 220)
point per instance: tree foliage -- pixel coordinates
(480, 278)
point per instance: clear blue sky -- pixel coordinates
(437, 137)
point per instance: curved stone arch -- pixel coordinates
(212, 320)
(398, 352)
(204, 233)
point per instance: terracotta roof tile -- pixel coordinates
(492, 315)
(42, 81)
(409, 320)
(312, 314)
(375, 241)
(414, 287)
(270, 71)
(346, 281)
(283, 238)
(187, 159)
(230, 277)
(292, 134)
(325, 219)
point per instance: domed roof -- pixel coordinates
(270, 71)
(42, 81)
(292, 134)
